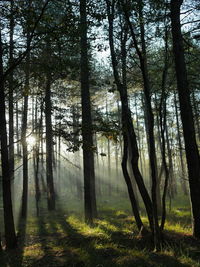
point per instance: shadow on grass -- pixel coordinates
(66, 241)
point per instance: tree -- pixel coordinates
(192, 153)
(26, 92)
(10, 236)
(148, 111)
(11, 88)
(129, 136)
(88, 149)
(49, 140)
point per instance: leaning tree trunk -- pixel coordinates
(132, 196)
(192, 153)
(10, 236)
(127, 126)
(150, 118)
(124, 82)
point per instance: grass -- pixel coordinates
(63, 239)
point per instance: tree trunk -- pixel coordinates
(36, 150)
(172, 184)
(138, 135)
(24, 146)
(183, 170)
(108, 153)
(150, 119)
(88, 153)
(192, 153)
(127, 125)
(49, 145)
(10, 235)
(11, 105)
(133, 200)
(196, 114)
(163, 129)
(24, 121)
(17, 130)
(150, 127)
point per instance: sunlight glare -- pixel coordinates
(31, 140)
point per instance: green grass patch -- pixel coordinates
(62, 238)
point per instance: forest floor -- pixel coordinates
(60, 239)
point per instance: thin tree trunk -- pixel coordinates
(24, 145)
(49, 145)
(17, 130)
(36, 158)
(172, 184)
(108, 153)
(196, 114)
(183, 170)
(11, 105)
(24, 121)
(159, 204)
(163, 130)
(120, 126)
(138, 136)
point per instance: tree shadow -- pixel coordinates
(56, 251)
(77, 249)
(60, 241)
